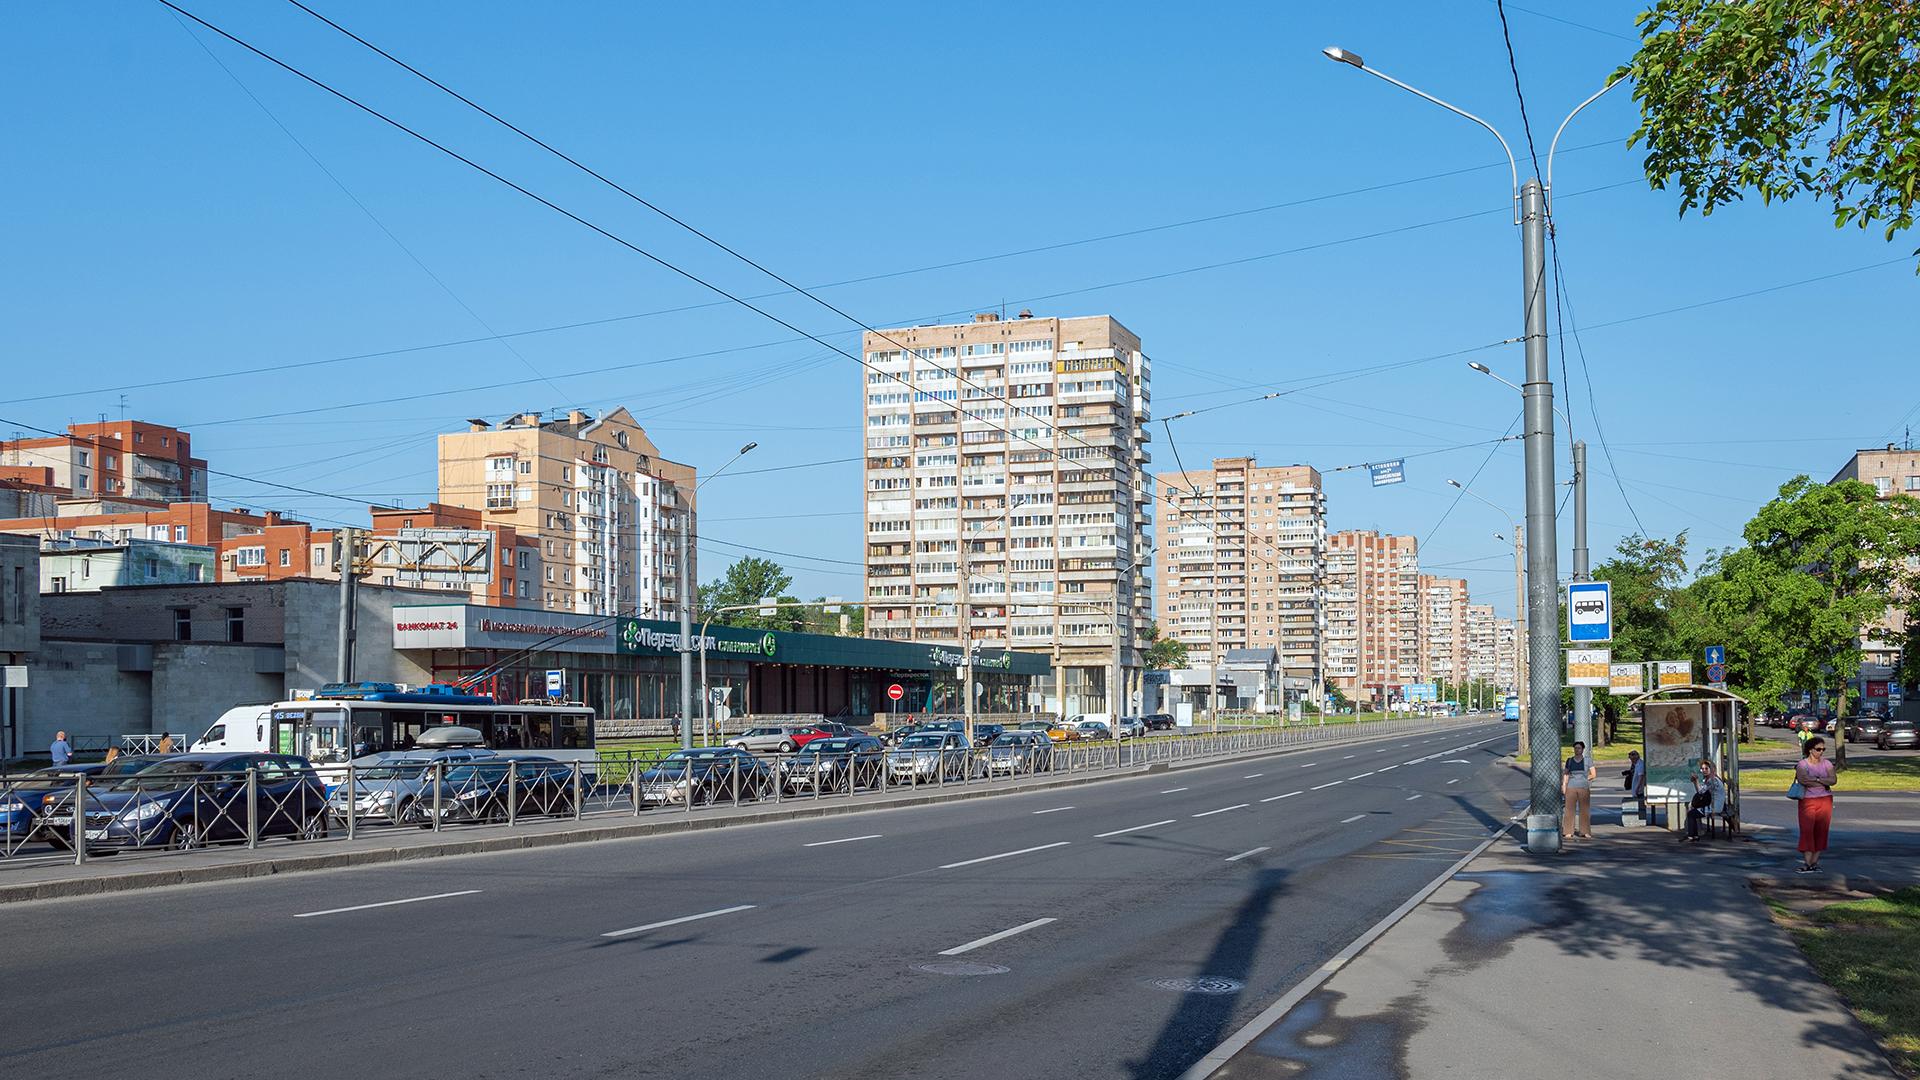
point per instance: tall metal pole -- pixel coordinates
(686, 625)
(1543, 571)
(1520, 624)
(1582, 696)
(343, 670)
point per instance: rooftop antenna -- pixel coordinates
(123, 408)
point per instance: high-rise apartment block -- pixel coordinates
(1243, 556)
(1373, 606)
(594, 494)
(108, 462)
(1892, 471)
(1445, 639)
(1005, 464)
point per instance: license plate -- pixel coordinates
(96, 834)
(65, 822)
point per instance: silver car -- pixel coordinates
(390, 787)
(1017, 752)
(784, 738)
(930, 756)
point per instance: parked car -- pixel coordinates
(1052, 730)
(389, 788)
(892, 736)
(1865, 728)
(23, 798)
(838, 764)
(946, 723)
(1159, 721)
(711, 771)
(984, 734)
(1016, 752)
(191, 800)
(929, 756)
(483, 790)
(1131, 727)
(834, 729)
(1898, 735)
(784, 738)
(1091, 730)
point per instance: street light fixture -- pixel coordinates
(688, 593)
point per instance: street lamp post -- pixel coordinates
(688, 593)
(1543, 593)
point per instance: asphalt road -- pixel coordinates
(788, 950)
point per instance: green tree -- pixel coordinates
(818, 620)
(1821, 562)
(748, 581)
(1163, 653)
(1783, 98)
(1653, 614)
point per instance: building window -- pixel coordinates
(1913, 483)
(179, 534)
(319, 556)
(1883, 486)
(82, 458)
(182, 624)
(250, 556)
(152, 568)
(59, 585)
(499, 496)
(236, 624)
(194, 573)
(79, 481)
(286, 556)
(526, 467)
(523, 560)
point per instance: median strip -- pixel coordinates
(385, 903)
(1222, 810)
(1132, 828)
(676, 922)
(1001, 936)
(1004, 855)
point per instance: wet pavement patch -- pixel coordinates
(1504, 905)
(960, 967)
(1197, 984)
(1311, 1041)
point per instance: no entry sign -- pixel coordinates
(896, 691)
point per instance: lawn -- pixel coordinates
(1865, 949)
(1863, 774)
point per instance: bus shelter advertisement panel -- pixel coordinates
(1675, 734)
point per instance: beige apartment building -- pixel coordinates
(1243, 561)
(1373, 607)
(1445, 639)
(1892, 471)
(596, 497)
(1005, 463)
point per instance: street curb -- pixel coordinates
(626, 829)
(1273, 1013)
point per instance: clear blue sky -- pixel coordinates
(161, 225)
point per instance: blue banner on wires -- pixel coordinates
(1388, 472)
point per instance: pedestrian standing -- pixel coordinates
(1636, 773)
(61, 750)
(1816, 776)
(1576, 789)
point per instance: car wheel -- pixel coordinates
(401, 810)
(187, 836)
(313, 828)
(787, 747)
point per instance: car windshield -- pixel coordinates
(467, 774)
(162, 771)
(1010, 739)
(926, 741)
(829, 746)
(404, 769)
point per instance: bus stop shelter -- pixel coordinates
(1680, 726)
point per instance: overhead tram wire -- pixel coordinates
(1461, 493)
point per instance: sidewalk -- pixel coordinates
(1626, 956)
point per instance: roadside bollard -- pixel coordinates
(253, 807)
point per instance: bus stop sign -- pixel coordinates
(557, 683)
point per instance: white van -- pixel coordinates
(241, 728)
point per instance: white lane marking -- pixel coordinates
(1004, 855)
(1055, 810)
(1132, 828)
(1171, 790)
(842, 840)
(678, 921)
(1362, 776)
(1410, 798)
(1253, 776)
(1334, 784)
(1247, 854)
(1455, 780)
(1456, 761)
(1415, 761)
(1349, 757)
(1351, 820)
(991, 938)
(385, 903)
(1277, 798)
(1388, 768)
(1309, 765)
(1222, 810)
(1382, 750)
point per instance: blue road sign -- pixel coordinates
(1716, 654)
(1388, 472)
(1590, 611)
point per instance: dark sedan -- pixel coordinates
(495, 791)
(1898, 735)
(705, 774)
(1159, 721)
(833, 765)
(984, 734)
(22, 799)
(191, 800)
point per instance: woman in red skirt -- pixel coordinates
(1816, 776)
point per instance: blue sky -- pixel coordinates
(163, 225)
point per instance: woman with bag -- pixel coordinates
(1813, 780)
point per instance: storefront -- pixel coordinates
(629, 669)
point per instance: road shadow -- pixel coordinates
(1201, 1022)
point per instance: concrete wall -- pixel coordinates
(19, 594)
(78, 687)
(311, 628)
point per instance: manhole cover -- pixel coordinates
(1201, 984)
(961, 967)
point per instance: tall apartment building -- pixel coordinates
(1483, 657)
(126, 459)
(1005, 462)
(1243, 560)
(1445, 635)
(1373, 609)
(1892, 471)
(596, 497)
(1506, 655)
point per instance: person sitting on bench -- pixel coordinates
(1709, 798)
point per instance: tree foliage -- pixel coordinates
(748, 581)
(1163, 653)
(1783, 98)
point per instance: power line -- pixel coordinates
(1461, 493)
(1513, 66)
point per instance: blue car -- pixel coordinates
(22, 800)
(191, 800)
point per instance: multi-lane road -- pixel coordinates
(1118, 929)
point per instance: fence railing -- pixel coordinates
(163, 809)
